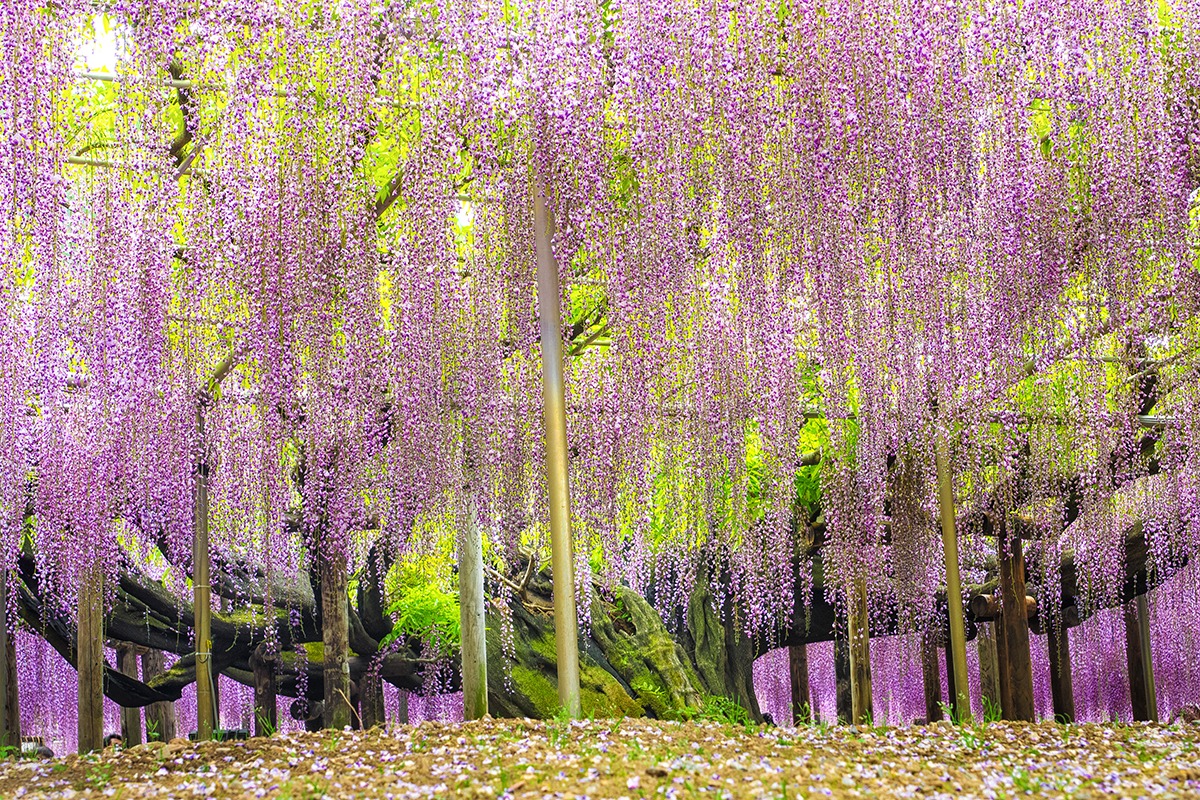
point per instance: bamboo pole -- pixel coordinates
(959, 686)
(206, 710)
(566, 624)
(201, 592)
(471, 609)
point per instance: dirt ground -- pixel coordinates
(642, 759)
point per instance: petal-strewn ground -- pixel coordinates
(644, 758)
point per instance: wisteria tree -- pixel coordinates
(841, 283)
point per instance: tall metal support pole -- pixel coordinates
(566, 624)
(201, 592)
(471, 606)
(958, 638)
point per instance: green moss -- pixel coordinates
(602, 696)
(314, 652)
(537, 687)
(250, 617)
(600, 693)
(545, 646)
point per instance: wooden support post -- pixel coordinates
(266, 705)
(370, 700)
(1143, 609)
(955, 703)
(160, 717)
(1016, 624)
(989, 670)
(1006, 711)
(335, 635)
(1140, 666)
(802, 712)
(131, 718)
(402, 707)
(1062, 692)
(841, 671)
(12, 697)
(957, 642)
(860, 655)
(471, 606)
(931, 675)
(554, 409)
(89, 659)
(10, 715)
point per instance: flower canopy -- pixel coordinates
(797, 240)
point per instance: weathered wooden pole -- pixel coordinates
(10, 715)
(1138, 660)
(1143, 609)
(402, 707)
(471, 604)
(370, 700)
(841, 672)
(1061, 688)
(89, 658)
(201, 591)
(989, 669)
(266, 706)
(802, 711)
(566, 623)
(860, 655)
(1015, 619)
(160, 717)
(131, 718)
(1006, 705)
(931, 677)
(957, 644)
(956, 706)
(335, 637)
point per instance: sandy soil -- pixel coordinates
(643, 759)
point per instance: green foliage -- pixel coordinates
(424, 609)
(716, 708)
(558, 728)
